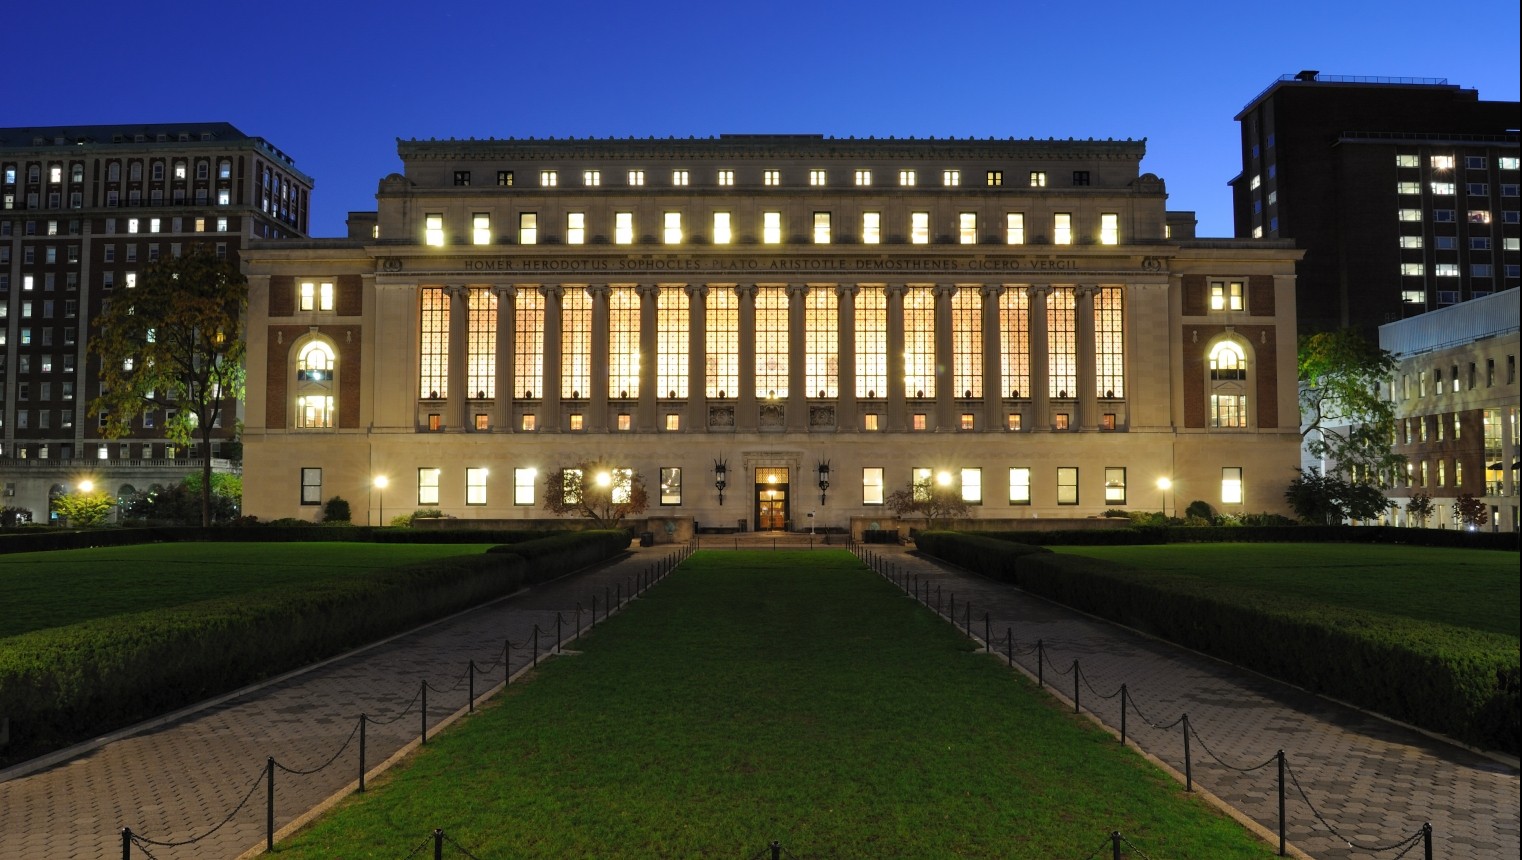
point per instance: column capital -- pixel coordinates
(505, 291)
(551, 292)
(947, 290)
(651, 289)
(1085, 290)
(992, 292)
(696, 291)
(598, 291)
(457, 291)
(797, 290)
(746, 291)
(895, 289)
(1039, 291)
(843, 290)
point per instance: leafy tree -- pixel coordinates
(1200, 510)
(600, 492)
(84, 509)
(1420, 506)
(937, 501)
(1471, 511)
(181, 503)
(1330, 499)
(336, 510)
(1343, 418)
(13, 515)
(174, 343)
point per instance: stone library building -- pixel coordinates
(774, 332)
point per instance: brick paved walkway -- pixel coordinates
(1373, 781)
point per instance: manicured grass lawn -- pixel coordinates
(1472, 589)
(775, 695)
(52, 589)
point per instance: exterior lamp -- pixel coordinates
(1163, 486)
(720, 478)
(86, 486)
(944, 479)
(380, 491)
(604, 479)
(824, 479)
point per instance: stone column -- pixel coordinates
(649, 355)
(551, 421)
(459, 345)
(945, 380)
(745, 404)
(697, 355)
(846, 419)
(1088, 385)
(597, 395)
(993, 360)
(797, 403)
(1041, 401)
(507, 331)
(897, 407)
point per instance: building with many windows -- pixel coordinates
(1403, 192)
(83, 210)
(774, 329)
(1456, 393)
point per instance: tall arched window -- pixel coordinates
(1228, 386)
(315, 367)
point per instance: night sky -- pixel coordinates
(333, 84)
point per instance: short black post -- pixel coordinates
(1281, 802)
(126, 843)
(507, 663)
(1123, 714)
(967, 619)
(558, 623)
(438, 844)
(594, 612)
(1076, 672)
(1115, 844)
(471, 671)
(951, 610)
(269, 803)
(937, 598)
(578, 620)
(536, 646)
(776, 850)
(988, 636)
(1040, 663)
(1427, 840)
(423, 713)
(607, 602)
(362, 722)
(1009, 645)
(1188, 763)
(619, 594)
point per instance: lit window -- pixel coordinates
(1476, 216)
(917, 422)
(1508, 162)
(679, 177)
(480, 228)
(132, 225)
(671, 485)
(1062, 228)
(672, 228)
(311, 485)
(1413, 269)
(721, 232)
(576, 421)
(673, 422)
(1115, 486)
(967, 421)
(871, 228)
(1409, 214)
(872, 485)
(919, 228)
(523, 486)
(1411, 242)
(591, 178)
(993, 178)
(1446, 270)
(771, 227)
(636, 177)
(1231, 485)
(529, 423)
(1226, 295)
(1014, 228)
(224, 197)
(871, 422)
(1443, 188)
(1038, 178)
(528, 228)
(771, 177)
(821, 228)
(1413, 297)
(433, 229)
(1020, 485)
(972, 486)
(906, 177)
(863, 177)
(475, 486)
(1408, 160)
(817, 178)
(548, 179)
(1067, 485)
(967, 228)
(428, 486)
(1014, 421)
(1061, 421)
(726, 177)
(623, 228)
(1442, 162)
(1109, 229)
(625, 422)
(575, 228)
(316, 296)
(951, 178)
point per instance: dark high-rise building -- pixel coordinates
(83, 211)
(1402, 191)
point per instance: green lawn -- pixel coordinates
(52, 589)
(1467, 588)
(775, 695)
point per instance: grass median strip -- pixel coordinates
(775, 695)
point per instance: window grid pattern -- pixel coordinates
(871, 343)
(771, 342)
(1109, 342)
(575, 344)
(528, 343)
(481, 348)
(722, 342)
(433, 366)
(1061, 344)
(967, 342)
(671, 342)
(623, 342)
(822, 339)
(1015, 342)
(919, 342)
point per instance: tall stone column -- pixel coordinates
(597, 394)
(697, 356)
(649, 357)
(551, 421)
(897, 406)
(797, 359)
(745, 405)
(945, 379)
(846, 418)
(507, 332)
(459, 345)
(994, 389)
(1041, 399)
(1088, 384)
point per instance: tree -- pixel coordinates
(1343, 418)
(938, 501)
(1471, 511)
(600, 492)
(174, 343)
(84, 509)
(1420, 506)
(181, 503)
(1330, 499)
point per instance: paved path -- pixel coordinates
(1371, 780)
(179, 781)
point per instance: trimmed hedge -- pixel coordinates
(1460, 683)
(49, 540)
(1263, 534)
(64, 684)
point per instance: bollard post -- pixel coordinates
(507, 663)
(362, 722)
(594, 612)
(578, 621)
(619, 595)
(951, 610)
(438, 843)
(937, 598)
(776, 850)
(536, 646)
(471, 671)
(607, 602)
(1009, 645)
(126, 843)
(1188, 765)
(1076, 672)
(1122, 714)
(1427, 839)
(1040, 663)
(988, 636)
(558, 622)
(966, 619)
(423, 713)
(269, 803)
(1281, 802)
(1115, 844)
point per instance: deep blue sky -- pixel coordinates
(334, 83)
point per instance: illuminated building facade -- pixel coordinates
(1021, 318)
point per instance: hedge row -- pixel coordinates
(1263, 534)
(64, 684)
(49, 540)
(1457, 682)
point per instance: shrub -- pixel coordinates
(335, 510)
(12, 516)
(1200, 510)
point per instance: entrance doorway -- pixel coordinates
(771, 498)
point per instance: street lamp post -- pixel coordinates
(1165, 487)
(380, 491)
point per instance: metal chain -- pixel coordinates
(139, 843)
(1137, 708)
(1132, 846)
(421, 845)
(459, 847)
(1223, 762)
(1094, 691)
(331, 759)
(457, 684)
(236, 809)
(374, 721)
(1404, 843)
(1096, 852)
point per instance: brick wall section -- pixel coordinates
(282, 295)
(1194, 368)
(280, 374)
(1262, 364)
(1265, 372)
(1196, 295)
(347, 339)
(277, 378)
(350, 300)
(1260, 295)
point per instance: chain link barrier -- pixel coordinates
(332, 758)
(145, 841)
(1372, 849)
